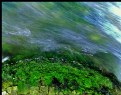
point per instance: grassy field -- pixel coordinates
(57, 73)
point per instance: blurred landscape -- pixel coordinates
(65, 48)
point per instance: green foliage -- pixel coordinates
(23, 87)
(63, 76)
(65, 70)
